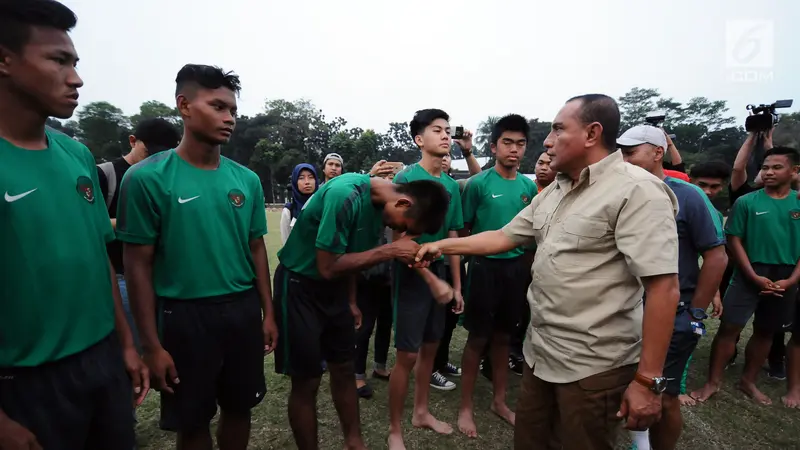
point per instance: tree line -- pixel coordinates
(287, 133)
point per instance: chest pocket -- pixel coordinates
(585, 233)
(539, 224)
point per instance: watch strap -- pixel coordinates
(647, 382)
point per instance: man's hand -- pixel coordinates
(405, 249)
(140, 375)
(14, 436)
(357, 317)
(380, 169)
(767, 139)
(162, 369)
(778, 288)
(763, 283)
(716, 305)
(640, 407)
(458, 308)
(270, 330)
(428, 252)
(465, 143)
(669, 139)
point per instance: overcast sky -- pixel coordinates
(377, 61)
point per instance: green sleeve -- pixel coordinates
(138, 214)
(339, 212)
(454, 214)
(258, 223)
(100, 210)
(469, 201)
(737, 220)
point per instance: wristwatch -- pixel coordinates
(658, 384)
(698, 314)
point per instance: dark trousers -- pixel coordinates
(375, 302)
(451, 321)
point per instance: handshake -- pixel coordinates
(418, 256)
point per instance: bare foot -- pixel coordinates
(428, 421)
(396, 441)
(466, 423)
(792, 399)
(360, 383)
(705, 393)
(752, 391)
(502, 411)
(686, 400)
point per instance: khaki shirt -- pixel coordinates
(595, 240)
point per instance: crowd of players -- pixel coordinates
(152, 270)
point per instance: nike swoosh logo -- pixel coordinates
(13, 198)
(186, 200)
(495, 196)
(762, 212)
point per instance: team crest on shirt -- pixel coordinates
(525, 199)
(795, 213)
(85, 188)
(236, 197)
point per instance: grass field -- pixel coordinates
(728, 421)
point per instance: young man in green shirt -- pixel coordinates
(419, 315)
(335, 237)
(192, 223)
(497, 284)
(764, 238)
(63, 381)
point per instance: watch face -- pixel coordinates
(659, 384)
(698, 314)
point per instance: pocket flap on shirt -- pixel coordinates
(585, 226)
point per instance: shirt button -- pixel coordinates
(558, 220)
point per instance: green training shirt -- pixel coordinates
(769, 228)
(55, 280)
(453, 219)
(201, 223)
(491, 201)
(339, 218)
(716, 216)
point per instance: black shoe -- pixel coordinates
(450, 370)
(515, 365)
(365, 391)
(379, 376)
(778, 372)
(486, 369)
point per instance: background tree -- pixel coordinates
(104, 129)
(153, 109)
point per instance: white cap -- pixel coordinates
(643, 134)
(333, 156)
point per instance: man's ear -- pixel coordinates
(418, 140)
(594, 134)
(5, 61)
(493, 147)
(132, 141)
(182, 103)
(403, 202)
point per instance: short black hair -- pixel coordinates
(209, 77)
(157, 134)
(18, 16)
(431, 201)
(711, 169)
(425, 117)
(604, 110)
(511, 122)
(792, 154)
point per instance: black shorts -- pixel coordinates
(772, 314)
(83, 401)
(681, 346)
(418, 318)
(314, 322)
(217, 344)
(496, 295)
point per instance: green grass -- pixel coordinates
(728, 421)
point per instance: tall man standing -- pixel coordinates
(497, 283)
(192, 223)
(586, 332)
(419, 316)
(335, 237)
(332, 166)
(63, 381)
(699, 233)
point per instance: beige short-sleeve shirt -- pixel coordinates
(595, 239)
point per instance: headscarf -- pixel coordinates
(298, 198)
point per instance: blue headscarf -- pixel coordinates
(298, 198)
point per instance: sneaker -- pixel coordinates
(440, 382)
(365, 391)
(515, 365)
(450, 370)
(486, 369)
(777, 373)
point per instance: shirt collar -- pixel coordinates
(591, 173)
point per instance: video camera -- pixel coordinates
(764, 117)
(656, 119)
